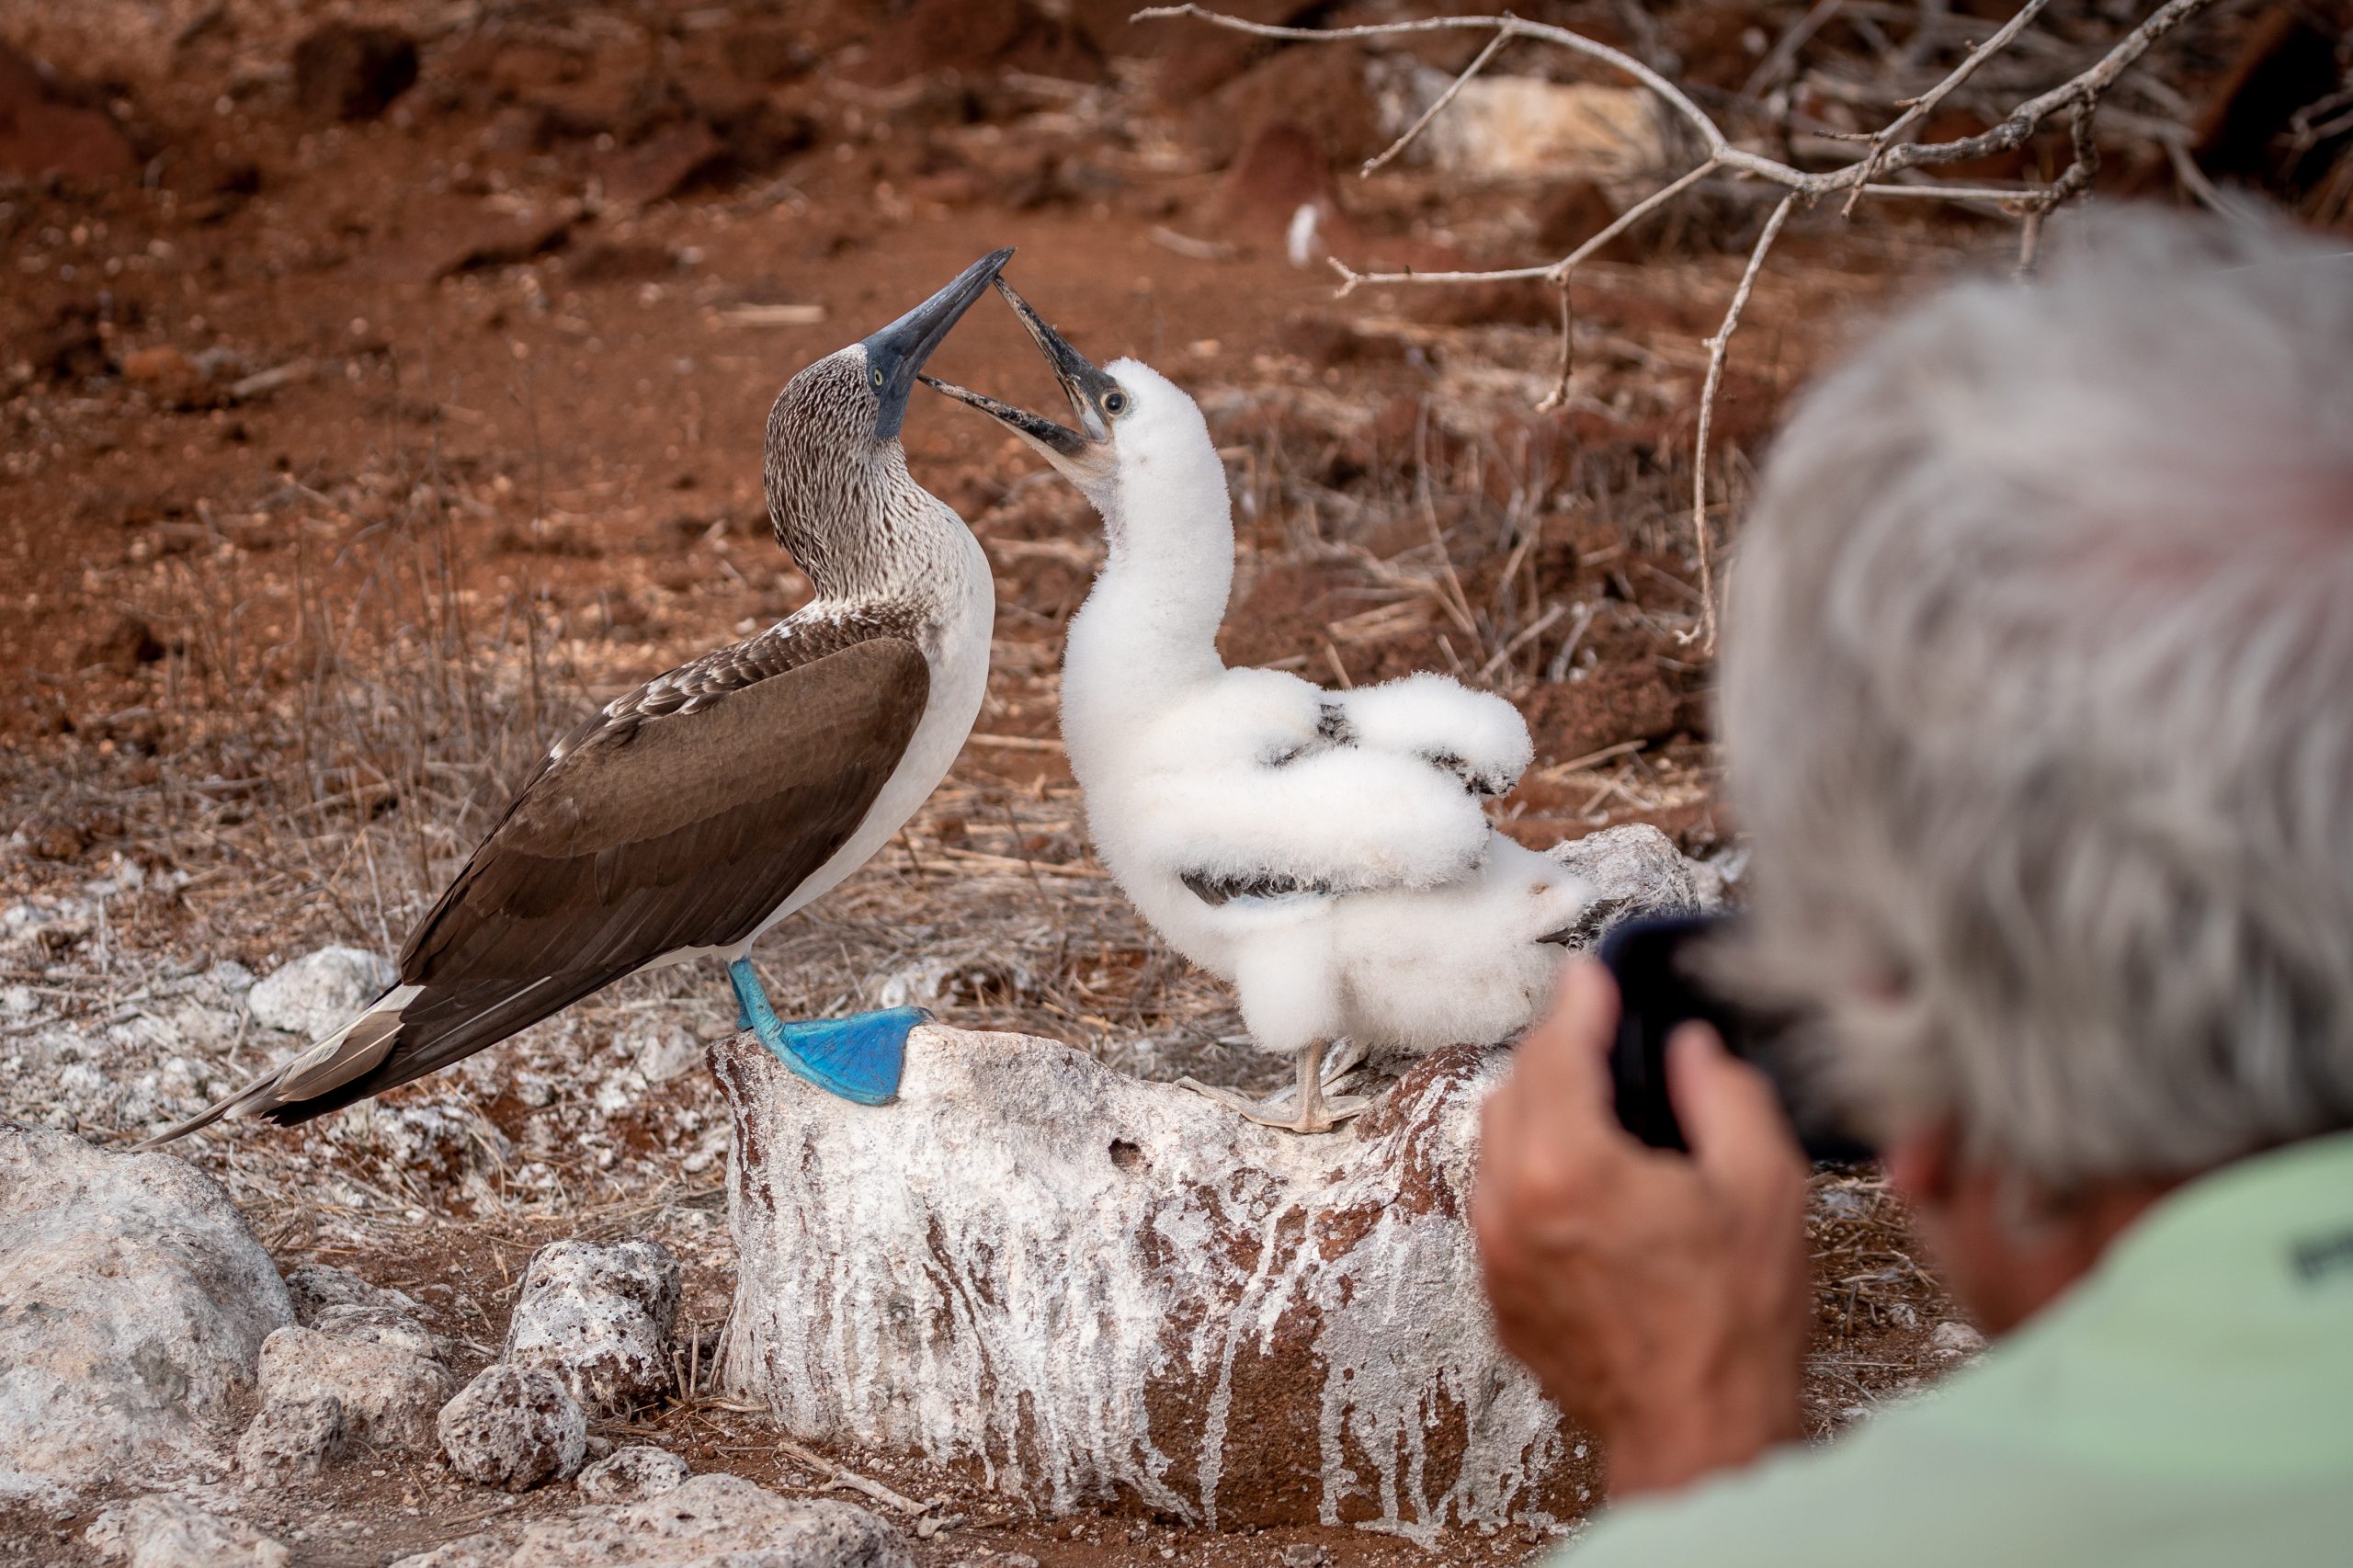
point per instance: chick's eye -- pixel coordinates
(1114, 403)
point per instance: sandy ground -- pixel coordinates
(345, 461)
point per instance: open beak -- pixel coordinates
(895, 355)
(1079, 454)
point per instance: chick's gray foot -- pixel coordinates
(1306, 1107)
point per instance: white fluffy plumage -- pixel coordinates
(1326, 852)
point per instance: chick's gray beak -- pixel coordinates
(1056, 440)
(1081, 385)
(895, 355)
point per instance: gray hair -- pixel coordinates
(2037, 703)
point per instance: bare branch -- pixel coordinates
(1557, 272)
(1351, 279)
(1495, 47)
(1632, 215)
(2193, 178)
(1717, 347)
(2010, 133)
(2029, 242)
(1559, 395)
(1926, 104)
(1876, 171)
(2007, 195)
(1784, 52)
(2028, 118)
(2076, 177)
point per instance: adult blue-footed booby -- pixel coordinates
(1326, 852)
(689, 816)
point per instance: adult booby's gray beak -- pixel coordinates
(895, 355)
(1082, 454)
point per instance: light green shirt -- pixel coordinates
(2190, 1402)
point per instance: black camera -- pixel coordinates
(1661, 984)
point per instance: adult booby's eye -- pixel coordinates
(878, 378)
(1115, 402)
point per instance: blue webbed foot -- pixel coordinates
(859, 1058)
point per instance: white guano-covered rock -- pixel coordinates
(133, 1305)
(319, 992)
(515, 1428)
(712, 1522)
(598, 1317)
(1105, 1290)
(170, 1532)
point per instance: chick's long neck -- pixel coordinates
(1147, 633)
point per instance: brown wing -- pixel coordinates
(680, 831)
(663, 825)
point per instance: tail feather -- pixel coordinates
(235, 1100)
(346, 1055)
(440, 1027)
(407, 1032)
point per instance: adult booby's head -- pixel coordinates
(837, 476)
(1123, 412)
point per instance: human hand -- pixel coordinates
(1660, 1299)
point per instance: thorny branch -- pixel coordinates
(1887, 154)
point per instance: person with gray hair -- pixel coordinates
(2037, 705)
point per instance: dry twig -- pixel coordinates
(1717, 346)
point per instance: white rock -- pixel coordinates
(61, 919)
(1518, 128)
(168, 1532)
(514, 1426)
(712, 1522)
(293, 1437)
(666, 1052)
(628, 1475)
(599, 1317)
(1956, 1338)
(619, 1090)
(1105, 1290)
(319, 992)
(380, 1365)
(1635, 870)
(133, 1302)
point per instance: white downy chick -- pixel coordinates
(1325, 852)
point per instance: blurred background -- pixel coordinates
(382, 385)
